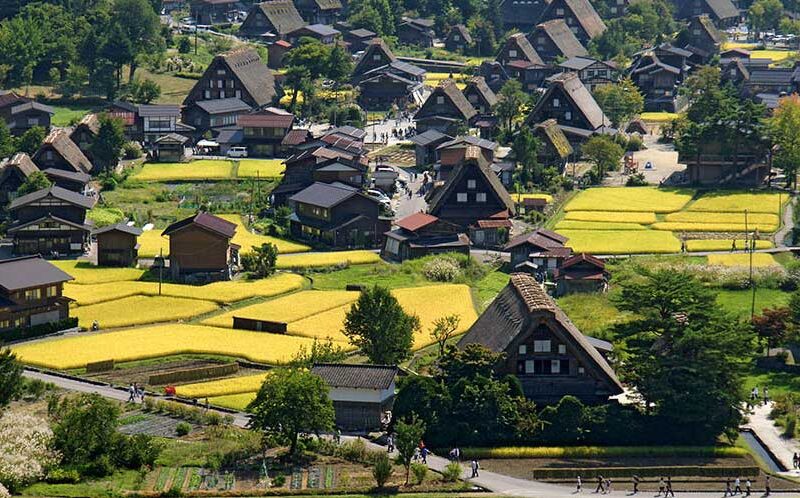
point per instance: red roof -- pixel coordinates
(295, 137)
(501, 215)
(265, 120)
(494, 223)
(283, 43)
(208, 221)
(416, 221)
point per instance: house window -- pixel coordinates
(568, 116)
(540, 40)
(31, 294)
(392, 246)
(210, 83)
(439, 99)
(461, 197)
(470, 184)
(613, 10)
(696, 32)
(523, 349)
(559, 12)
(542, 346)
(220, 72)
(48, 155)
(33, 121)
(472, 98)
(238, 94)
(480, 197)
(456, 38)
(556, 103)
(562, 349)
(574, 30)
(220, 84)
(376, 57)
(581, 371)
(230, 83)
(512, 53)
(207, 94)
(555, 366)
(529, 367)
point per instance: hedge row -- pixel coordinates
(191, 374)
(603, 451)
(672, 471)
(21, 333)
(100, 366)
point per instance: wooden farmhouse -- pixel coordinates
(701, 38)
(85, 132)
(542, 347)
(659, 72)
(22, 113)
(13, 173)
(522, 14)
(474, 199)
(592, 72)
(445, 110)
(239, 74)
(458, 39)
(554, 40)
(272, 20)
(480, 96)
(69, 180)
(425, 146)
(377, 54)
(337, 215)
(418, 32)
(522, 247)
(580, 17)
(117, 245)
(554, 147)
(323, 33)
(31, 293)
(518, 48)
(58, 151)
(361, 394)
(50, 221)
(723, 12)
(200, 248)
(421, 234)
(581, 273)
(319, 11)
(212, 115)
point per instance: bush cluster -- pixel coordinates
(189, 413)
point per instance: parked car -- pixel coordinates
(237, 152)
(377, 194)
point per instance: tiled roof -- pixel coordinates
(325, 195)
(29, 271)
(205, 220)
(221, 106)
(414, 222)
(119, 227)
(355, 376)
(59, 193)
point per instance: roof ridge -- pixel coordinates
(532, 293)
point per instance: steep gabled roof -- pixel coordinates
(549, 128)
(561, 36)
(59, 193)
(722, 9)
(451, 93)
(540, 237)
(584, 13)
(282, 14)
(255, 77)
(20, 162)
(119, 227)
(522, 12)
(354, 376)
(207, 221)
(473, 159)
(580, 96)
(29, 271)
(479, 86)
(521, 306)
(461, 30)
(59, 140)
(90, 122)
(376, 46)
(525, 50)
(583, 258)
(708, 26)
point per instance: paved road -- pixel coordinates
(787, 225)
(782, 449)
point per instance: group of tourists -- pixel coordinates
(748, 487)
(665, 485)
(135, 392)
(754, 397)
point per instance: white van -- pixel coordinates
(237, 152)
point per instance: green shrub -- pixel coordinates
(354, 450)
(790, 427)
(452, 472)
(382, 468)
(420, 471)
(137, 451)
(183, 429)
(63, 476)
(279, 481)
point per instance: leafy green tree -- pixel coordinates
(483, 34)
(107, 145)
(381, 469)
(7, 143)
(379, 327)
(605, 153)
(620, 101)
(85, 428)
(563, 422)
(289, 402)
(140, 26)
(526, 149)
(23, 47)
(443, 329)
(10, 377)
(783, 127)
(764, 15)
(297, 78)
(407, 437)
(31, 140)
(320, 352)
(261, 261)
(686, 356)
(375, 15)
(35, 182)
(339, 65)
(144, 91)
(510, 100)
(773, 326)
(310, 54)
(644, 24)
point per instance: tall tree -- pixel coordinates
(339, 65)
(605, 153)
(408, 436)
(773, 326)
(10, 377)
(443, 329)
(619, 101)
(291, 401)
(140, 26)
(7, 142)
(85, 431)
(107, 145)
(783, 127)
(685, 354)
(30, 141)
(35, 182)
(379, 327)
(510, 100)
(526, 148)
(297, 77)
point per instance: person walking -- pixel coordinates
(474, 465)
(661, 487)
(131, 393)
(728, 491)
(635, 483)
(766, 396)
(669, 490)
(600, 485)
(747, 487)
(737, 486)
(579, 485)
(424, 453)
(389, 443)
(796, 460)
(767, 488)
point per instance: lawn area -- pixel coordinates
(738, 302)
(159, 341)
(742, 259)
(85, 272)
(593, 314)
(173, 88)
(271, 169)
(200, 170)
(777, 382)
(116, 484)
(659, 117)
(487, 288)
(234, 385)
(67, 114)
(220, 292)
(622, 241)
(140, 310)
(325, 259)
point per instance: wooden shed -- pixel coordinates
(117, 245)
(200, 246)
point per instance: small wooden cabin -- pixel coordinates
(117, 245)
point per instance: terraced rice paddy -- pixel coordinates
(722, 245)
(522, 197)
(265, 169)
(222, 387)
(200, 170)
(325, 259)
(139, 310)
(760, 260)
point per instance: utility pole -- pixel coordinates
(160, 269)
(750, 249)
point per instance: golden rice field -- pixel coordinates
(622, 242)
(323, 325)
(725, 217)
(434, 79)
(641, 199)
(711, 227)
(742, 259)
(522, 197)
(220, 292)
(222, 387)
(738, 202)
(158, 341)
(596, 225)
(247, 239)
(267, 169)
(641, 217)
(323, 259)
(287, 308)
(140, 310)
(658, 117)
(435, 301)
(200, 170)
(85, 272)
(721, 245)
(233, 401)
(151, 244)
(774, 55)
